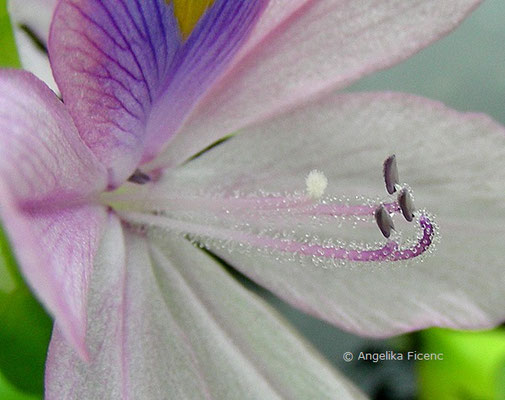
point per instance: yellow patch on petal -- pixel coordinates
(188, 13)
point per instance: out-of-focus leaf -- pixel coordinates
(24, 337)
(9, 392)
(25, 328)
(8, 53)
(500, 381)
(10, 278)
(472, 367)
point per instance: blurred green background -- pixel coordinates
(465, 70)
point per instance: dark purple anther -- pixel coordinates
(406, 204)
(384, 221)
(139, 177)
(391, 174)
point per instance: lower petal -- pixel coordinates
(455, 164)
(171, 322)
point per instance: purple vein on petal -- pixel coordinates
(108, 58)
(206, 53)
(125, 64)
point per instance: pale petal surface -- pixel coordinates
(48, 179)
(128, 77)
(166, 321)
(454, 164)
(304, 49)
(33, 16)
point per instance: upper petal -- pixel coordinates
(173, 322)
(302, 49)
(128, 78)
(30, 22)
(48, 178)
(455, 165)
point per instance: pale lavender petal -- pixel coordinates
(172, 322)
(306, 49)
(30, 22)
(128, 78)
(454, 163)
(49, 180)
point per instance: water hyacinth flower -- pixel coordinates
(106, 205)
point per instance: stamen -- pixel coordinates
(423, 243)
(241, 239)
(358, 210)
(293, 225)
(254, 204)
(384, 221)
(391, 174)
(406, 204)
(139, 177)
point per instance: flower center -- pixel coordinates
(188, 13)
(326, 230)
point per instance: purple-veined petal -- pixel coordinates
(108, 58)
(172, 322)
(128, 78)
(30, 22)
(48, 180)
(453, 162)
(305, 49)
(204, 56)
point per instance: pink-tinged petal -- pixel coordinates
(305, 50)
(30, 22)
(128, 78)
(454, 163)
(173, 322)
(48, 180)
(105, 330)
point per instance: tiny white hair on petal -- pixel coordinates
(316, 183)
